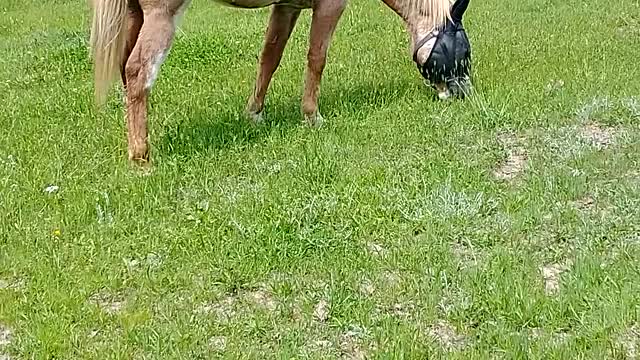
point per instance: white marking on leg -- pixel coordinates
(159, 59)
(155, 68)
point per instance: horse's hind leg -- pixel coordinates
(281, 24)
(323, 24)
(134, 24)
(141, 71)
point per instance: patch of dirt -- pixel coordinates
(551, 276)
(559, 338)
(321, 311)
(632, 240)
(218, 343)
(223, 310)
(350, 344)
(263, 299)
(319, 347)
(555, 338)
(5, 335)
(632, 104)
(632, 175)
(399, 310)
(296, 313)
(586, 203)
(628, 29)
(447, 336)
(277, 277)
(11, 285)
(111, 304)
(402, 310)
(391, 278)
(154, 260)
(598, 136)
(588, 133)
(229, 306)
(5, 340)
(536, 333)
(367, 288)
(590, 109)
(630, 342)
(516, 159)
(131, 264)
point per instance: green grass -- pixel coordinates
(390, 213)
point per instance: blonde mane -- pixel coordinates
(438, 11)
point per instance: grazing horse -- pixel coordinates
(133, 37)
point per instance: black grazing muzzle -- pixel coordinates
(450, 58)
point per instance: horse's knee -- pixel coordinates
(132, 70)
(340, 6)
(143, 67)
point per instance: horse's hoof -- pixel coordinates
(255, 117)
(141, 167)
(139, 158)
(314, 120)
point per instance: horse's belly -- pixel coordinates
(252, 4)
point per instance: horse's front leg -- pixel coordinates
(281, 24)
(326, 15)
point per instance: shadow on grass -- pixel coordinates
(201, 129)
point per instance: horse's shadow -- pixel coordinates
(202, 129)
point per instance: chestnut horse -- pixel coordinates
(133, 37)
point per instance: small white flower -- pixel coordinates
(51, 189)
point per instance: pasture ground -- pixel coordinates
(505, 226)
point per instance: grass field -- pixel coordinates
(503, 226)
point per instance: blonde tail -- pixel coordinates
(108, 40)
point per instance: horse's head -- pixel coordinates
(441, 49)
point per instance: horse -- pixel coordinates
(133, 38)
